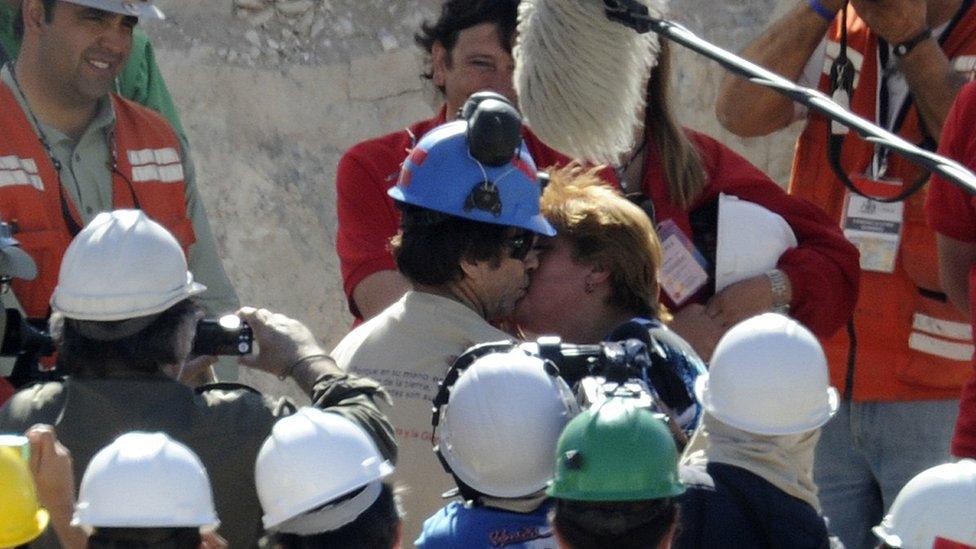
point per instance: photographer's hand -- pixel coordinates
(285, 347)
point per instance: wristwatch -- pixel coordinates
(781, 290)
(902, 49)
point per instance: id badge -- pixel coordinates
(875, 228)
(684, 270)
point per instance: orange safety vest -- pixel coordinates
(911, 343)
(147, 154)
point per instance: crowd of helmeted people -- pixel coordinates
(672, 351)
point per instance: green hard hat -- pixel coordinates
(616, 451)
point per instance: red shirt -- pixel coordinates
(367, 216)
(952, 212)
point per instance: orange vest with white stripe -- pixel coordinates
(147, 155)
(911, 343)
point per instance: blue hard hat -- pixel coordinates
(441, 174)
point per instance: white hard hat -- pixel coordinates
(938, 503)
(143, 9)
(499, 429)
(145, 480)
(768, 376)
(122, 265)
(310, 459)
(750, 240)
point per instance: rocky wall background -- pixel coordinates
(272, 92)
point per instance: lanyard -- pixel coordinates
(886, 70)
(841, 82)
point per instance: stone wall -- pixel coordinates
(272, 94)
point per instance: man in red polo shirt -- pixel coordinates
(469, 49)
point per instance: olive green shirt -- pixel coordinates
(224, 424)
(140, 80)
(87, 179)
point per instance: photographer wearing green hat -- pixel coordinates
(616, 480)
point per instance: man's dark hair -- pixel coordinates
(375, 528)
(431, 245)
(457, 15)
(144, 538)
(19, 19)
(618, 524)
(162, 342)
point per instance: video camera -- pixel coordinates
(629, 368)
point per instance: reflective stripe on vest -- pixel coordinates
(936, 333)
(940, 347)
(943, 328)
(156, 165)
(19, 171)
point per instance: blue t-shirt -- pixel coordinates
(456, 525)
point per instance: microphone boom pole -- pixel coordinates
(635, 15)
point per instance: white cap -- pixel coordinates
(938, 503)
(122, 265)
(750, 240)
(768, 376)
(143, 9)
(310, 459)
(499, 429)
(145, 480)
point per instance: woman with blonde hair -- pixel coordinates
(597, 281)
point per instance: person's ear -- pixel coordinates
(33, 14)
(598, 274)
(468, 268)
(440, 62)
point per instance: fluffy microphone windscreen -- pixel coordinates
(580, 77)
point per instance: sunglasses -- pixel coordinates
(520, 244)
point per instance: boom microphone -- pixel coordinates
(580, 68)
(581, 78)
